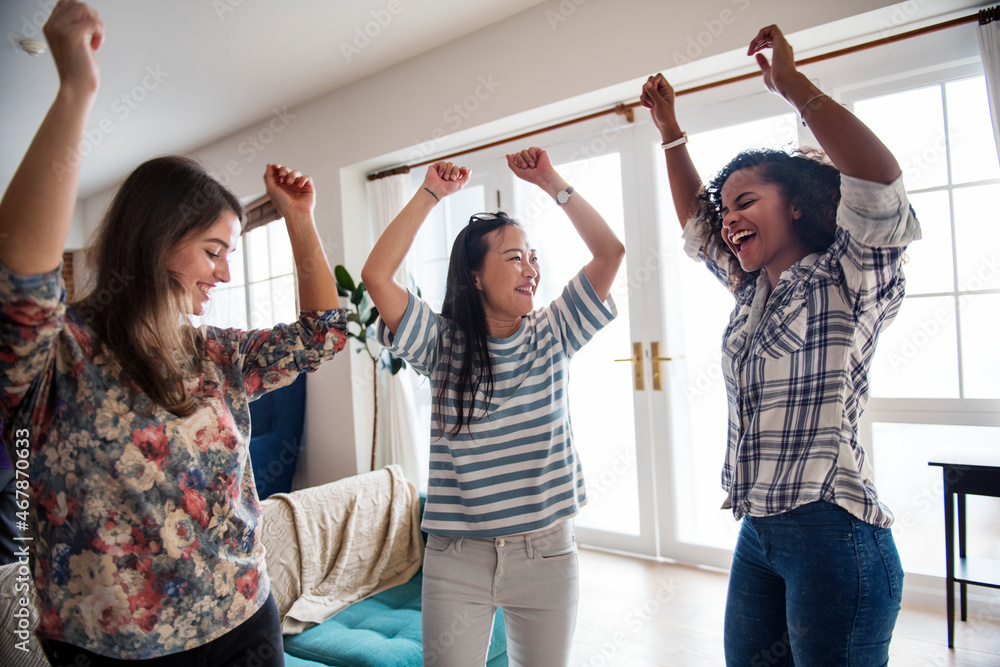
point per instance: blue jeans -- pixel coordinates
(533, 577)
(813, 586)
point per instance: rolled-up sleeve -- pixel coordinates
(877, 215)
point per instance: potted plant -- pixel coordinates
(362, 312)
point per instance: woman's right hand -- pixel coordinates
(74, 32)
(658, 96)
(445, 178)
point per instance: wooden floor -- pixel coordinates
(639, 613)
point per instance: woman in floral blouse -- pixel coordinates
(143, 514)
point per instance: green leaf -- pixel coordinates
(395, 363)
(354, 317)
(357, 295)
(344, 279)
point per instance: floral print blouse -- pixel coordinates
(145, 529)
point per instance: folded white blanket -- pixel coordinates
(333, 545)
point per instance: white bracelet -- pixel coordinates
(676, 142)
(802, 111)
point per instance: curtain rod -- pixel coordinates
(983, 17)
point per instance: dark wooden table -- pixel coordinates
(966, 475)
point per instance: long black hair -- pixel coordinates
(805, 177)
(463, 308)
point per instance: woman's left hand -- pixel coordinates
(782, 65)
(532, 165)
(291, 192)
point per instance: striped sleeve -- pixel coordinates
(416, 337)
(577, 314)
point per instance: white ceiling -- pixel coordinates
(179, 74)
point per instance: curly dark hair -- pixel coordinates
(805, 177)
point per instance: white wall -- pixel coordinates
(556, 60)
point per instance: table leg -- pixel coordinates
(962, 590)
(949, 557)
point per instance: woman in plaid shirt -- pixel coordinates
(812, 253)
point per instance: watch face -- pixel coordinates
(562, 197)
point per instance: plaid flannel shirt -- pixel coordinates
(796, 360)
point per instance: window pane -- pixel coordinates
(975, 227)
(431, 241)
(931, 266)
(280, 249)
(916, 355)
(430, 278)
(258, 264)
(227, 308)
(914, 491)
(980, 363)
(970, 131)
(261, 313)
(911, 124)
(283, 300)
(236, 278)
(713, 149)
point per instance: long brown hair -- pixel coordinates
(136, 306)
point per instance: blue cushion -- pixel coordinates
(381, 631)
(276, 420)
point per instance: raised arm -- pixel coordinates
(37, 208)
(379, 272)
(685, 184)
(533, 165)
(853, 148)
(295, 198)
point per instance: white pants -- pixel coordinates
(534, 578)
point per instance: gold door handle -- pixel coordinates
(654, 348)
(636, 360)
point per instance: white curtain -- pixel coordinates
(404, 438)
(989, 47)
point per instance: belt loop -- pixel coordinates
(527, 546)
(458, 544)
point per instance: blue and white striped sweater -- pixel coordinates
(514, 470)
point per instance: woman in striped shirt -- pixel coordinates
(505, 480)
(813, 256)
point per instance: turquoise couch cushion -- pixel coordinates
(382, 631)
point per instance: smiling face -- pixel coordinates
(758, 224)
(201, 260)
(508, 277)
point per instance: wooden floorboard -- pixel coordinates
(636, 612)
